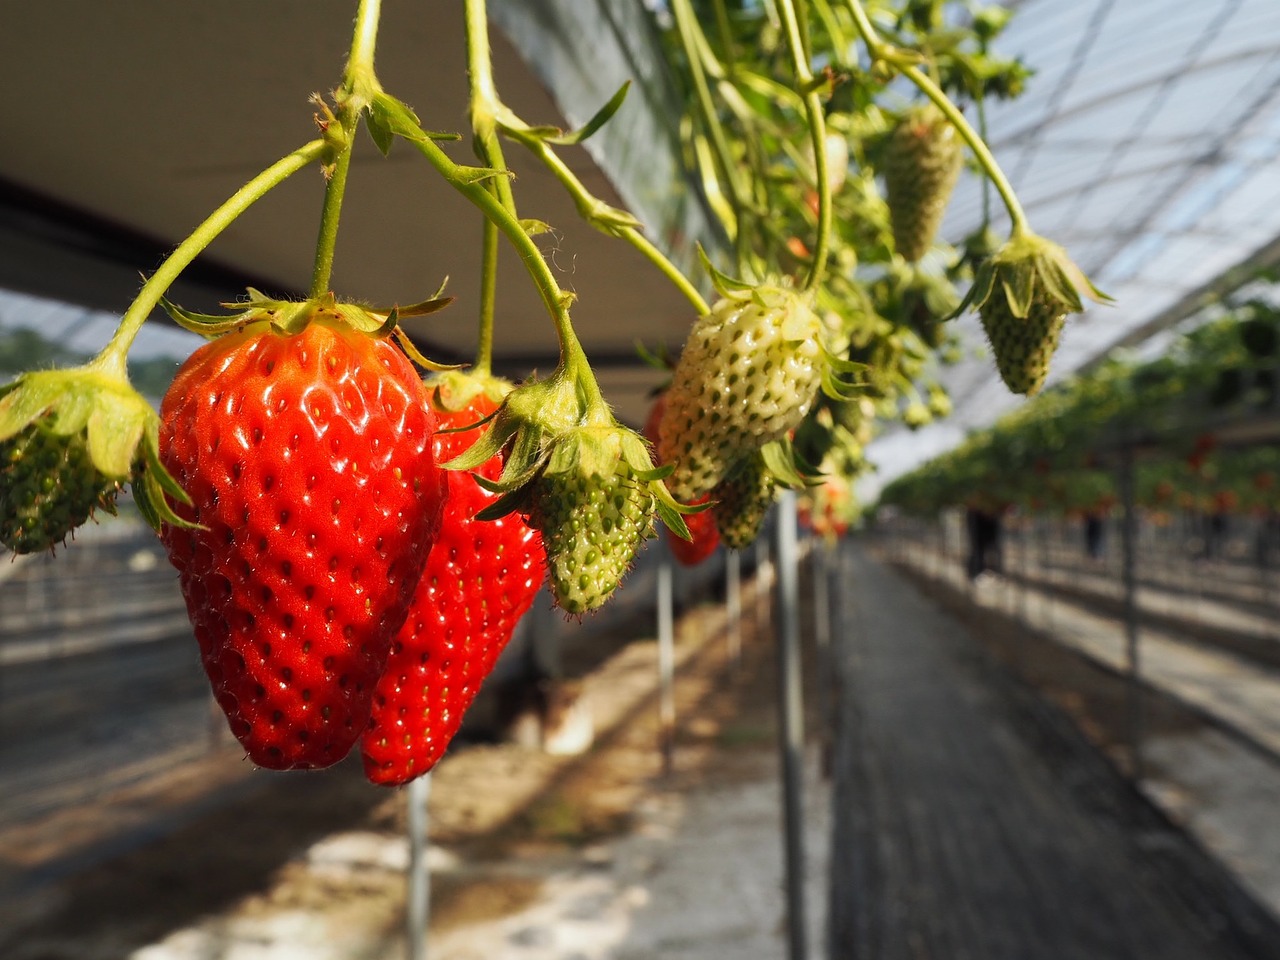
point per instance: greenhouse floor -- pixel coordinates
(971, 820)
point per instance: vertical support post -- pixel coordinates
(418, 793)
(791, 717)
(1128, 540)
(821, 612)
(666, 664)
(733, 604)
(763, 571)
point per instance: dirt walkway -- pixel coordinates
(532, 856)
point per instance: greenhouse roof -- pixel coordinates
(1147, 144)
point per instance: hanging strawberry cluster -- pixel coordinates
(356, 545)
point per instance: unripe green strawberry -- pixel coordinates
(592, 522)
(48, 487)
(922, 162)
(748, 374)
(742, 501)
(69, 439)
(1023, 346)
(1023, 294)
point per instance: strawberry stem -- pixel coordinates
(494, 198)
(112, 355)
(794, 30)
(358, 83)
(883, 52)
(693, 42)
(488, 149)
(587, 204)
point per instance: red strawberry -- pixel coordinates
(480, 579)
(704, 538)
(308, 458)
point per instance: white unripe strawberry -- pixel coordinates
(748, 374)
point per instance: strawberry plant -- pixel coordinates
(355, 547)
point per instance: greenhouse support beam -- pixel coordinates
(791, 719)
(1129, 545)
(666, 664)
(418, 910)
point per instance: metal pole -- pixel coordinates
(1129, 538)
(821, 613)
(419, 878)
(791, 717)
(733, 604)
(666, 664)
(763, 571)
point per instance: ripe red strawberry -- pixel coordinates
(480, 579)
(922, 162)
(703, 536)
(749, 372)
(308, 459)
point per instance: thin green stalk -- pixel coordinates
(588, 205)
(484, 98)
(327, 241)
(113, 355)
(358, 82)
(690, 34)
(488, 148)
(488, 298)
(793, 30)
(879, 51)
(572, 356)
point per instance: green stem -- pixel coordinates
(880, 51)
(484, 103)
(795, 34)
(327, 241)
(692, 40)
(596, 212)
(497, 203)
(365, 39)
(488, 148)
(358, 83)
(572, 357)
(488, 298)
(113, 355)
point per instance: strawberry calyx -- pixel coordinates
(293, 316)
(1030, 271)
(94, 406)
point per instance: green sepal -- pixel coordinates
(414, 354)
(669, 512)
(725, 285)
(786, 467)
(381, 132)
(389, 115)
(602, 116)
(151, 481)
(488, 446)
(661, 360)
(509, 502)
